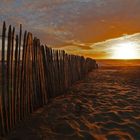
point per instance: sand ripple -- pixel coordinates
(103, 106)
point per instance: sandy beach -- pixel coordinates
(103, 106)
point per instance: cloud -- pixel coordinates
(78, 23)
(102, 49)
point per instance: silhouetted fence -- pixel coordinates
(31, 74)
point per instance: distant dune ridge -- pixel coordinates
(103, 106)
(119, 62)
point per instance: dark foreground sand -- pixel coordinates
(104, 106)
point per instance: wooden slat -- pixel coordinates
(19, 72)
(22, 109)
(8, 76)
(15, 81)
(12, 86)
(4, 114)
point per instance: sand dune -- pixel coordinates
(103, 106)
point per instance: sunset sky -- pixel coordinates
(85, 27)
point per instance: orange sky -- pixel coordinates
(76, 25)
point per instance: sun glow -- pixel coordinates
(125, 50)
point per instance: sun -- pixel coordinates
(125, 50)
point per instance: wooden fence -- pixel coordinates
(31, 74)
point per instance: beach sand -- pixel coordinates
(103, 106)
